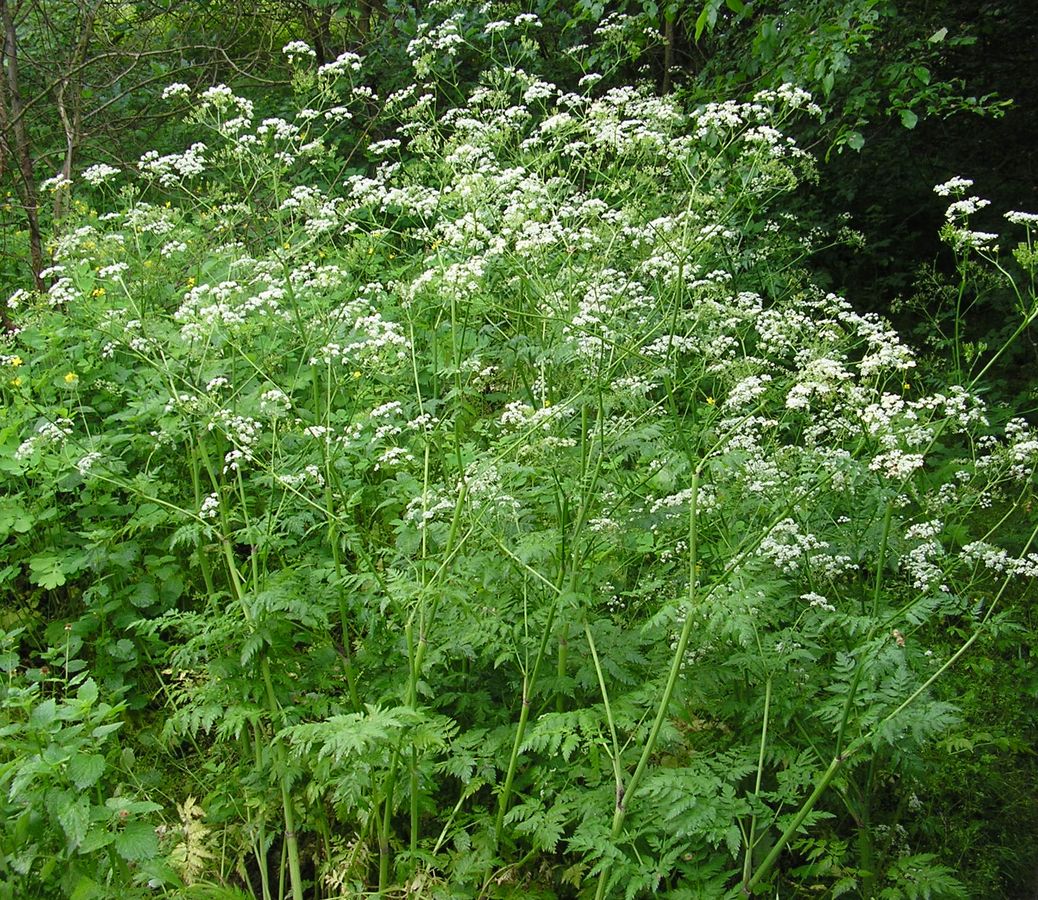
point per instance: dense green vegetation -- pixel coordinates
(457, 451)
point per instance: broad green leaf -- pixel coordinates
(85, 769)
(104, 730)
(44, 714)
(909, 118)
(74, 820)
(922, 73)
(938, 35)
(96, 838)
(14, 517)
(46, 571)
(87, 692)
(137, 842)
(701, 21)
(855, 140)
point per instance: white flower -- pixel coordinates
(965, 207)
(175, 90)
(955, 186)
(346, 62)
(1022, 218)
(298, 48)
(210, 508)
(818, 601)
(99, 174)
(896, 464)
(111, 271)
(87, 462)
(173, 247)
(57, 183)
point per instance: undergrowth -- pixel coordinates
(492, 508)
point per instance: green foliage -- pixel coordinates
(69, 790)
(469, 493)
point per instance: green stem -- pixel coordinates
(747, 866)
(840, 759)
(615, 754)
(524, 716)
(625, 795)
(291, 841)
(793, 826)
(416, 662)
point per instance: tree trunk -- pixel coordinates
(16, 140)
(668, 49)
(67, 95)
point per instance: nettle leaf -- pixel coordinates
(137, 842)
(43, 714)
(74, 820)
(87, 691)
(96, 839)
(46, 570)
(86, 769)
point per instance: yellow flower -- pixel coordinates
(97, 292)
(16, 361)
(357, 375)
(710, 401)
(17, 381)
(71, 378)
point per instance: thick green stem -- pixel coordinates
(614, 754)
(747, 866)
(625, 795)
(291, 841)
(524, 716)
(791, 829)
(416, 654)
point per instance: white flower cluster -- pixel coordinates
(1022, 218)
(176, 91)
(86, 463)
(99, 174)
(47, 433)
(227, 304)
(57, 183)
(210, 508)
(343, 64)
(174, 167)
(62, 292)
(242, 431)
(274, 402)
(310, 474)
(954, 187)
(790, 548)
(294, 49)
(896, 464)
(368, 338)
(999, 561)
(818, 601)
(921, 562)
